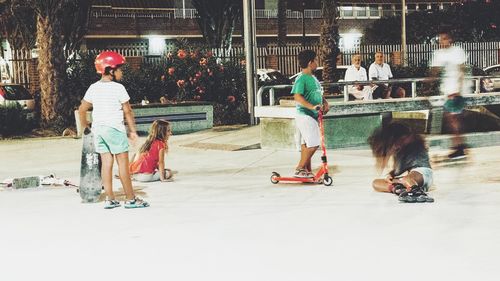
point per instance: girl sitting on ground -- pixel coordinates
(411, 175)
(149, 163)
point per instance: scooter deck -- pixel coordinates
(295, 179)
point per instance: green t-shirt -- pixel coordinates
(309, 87)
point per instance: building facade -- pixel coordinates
(150, 24)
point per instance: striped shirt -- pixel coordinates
(107, 98)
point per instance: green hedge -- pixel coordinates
(14, 120)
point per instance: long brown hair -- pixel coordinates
(160, 130)
(390, 139)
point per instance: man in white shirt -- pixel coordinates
(355, 72)
(450, 61)
(382, 71)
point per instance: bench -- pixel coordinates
(183, 117)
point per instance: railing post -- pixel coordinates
(346, 93)
(271, 97)
(414, 89)
(477, 84)
(258, 102)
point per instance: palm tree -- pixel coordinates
(329, 39)
(282, 28)
(53, 19)
(217, 20)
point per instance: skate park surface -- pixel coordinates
(222, 218)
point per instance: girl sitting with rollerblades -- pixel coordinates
(411, 175)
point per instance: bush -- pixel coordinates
(196, 74)
(145, 82)
(187, 75)
(14, 120)
(80, 75)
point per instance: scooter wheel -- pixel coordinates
(327, 181)
(274, 177)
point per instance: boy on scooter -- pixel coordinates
(308, 95)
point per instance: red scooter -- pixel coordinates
(322, 175)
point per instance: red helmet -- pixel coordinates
(108, 59)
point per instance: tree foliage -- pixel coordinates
(217, 20)
(281, 21)
(57, 25)
(17, 24)
(329, 39)
(468, 22)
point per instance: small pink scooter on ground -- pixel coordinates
(322, 175)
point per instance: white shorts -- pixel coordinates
(307, 130)
(427, 175)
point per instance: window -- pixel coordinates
(347, 11)
(411, 8)
(397, 9)
(361, 11)
(374, 11)
(387, 10)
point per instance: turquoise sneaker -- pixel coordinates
(136, 203)
(111, 204)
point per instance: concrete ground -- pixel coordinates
(222, 219)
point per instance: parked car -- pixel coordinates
(15, 93)
(494, 70)
(269, 77)
(339, 76)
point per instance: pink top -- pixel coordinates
(148, 161)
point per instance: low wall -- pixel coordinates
(348, 124)
(340, 131)
(184, 117)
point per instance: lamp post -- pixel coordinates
(403, 33)
(250, 51)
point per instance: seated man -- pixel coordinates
(356, 72)
(382, 71)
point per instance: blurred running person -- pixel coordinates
(449, 62)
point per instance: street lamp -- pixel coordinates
(250, 52)
(403, 33)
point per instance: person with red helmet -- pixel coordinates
(110, 103)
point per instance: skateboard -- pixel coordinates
(90, 171)
(444, 160)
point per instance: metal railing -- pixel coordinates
(346, 84)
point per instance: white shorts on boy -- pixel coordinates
(307, 130)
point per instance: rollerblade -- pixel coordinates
(415, 195)
(397, 188)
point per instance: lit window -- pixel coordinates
(347, 11)
(361, 11)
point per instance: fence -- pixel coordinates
(479, 54)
